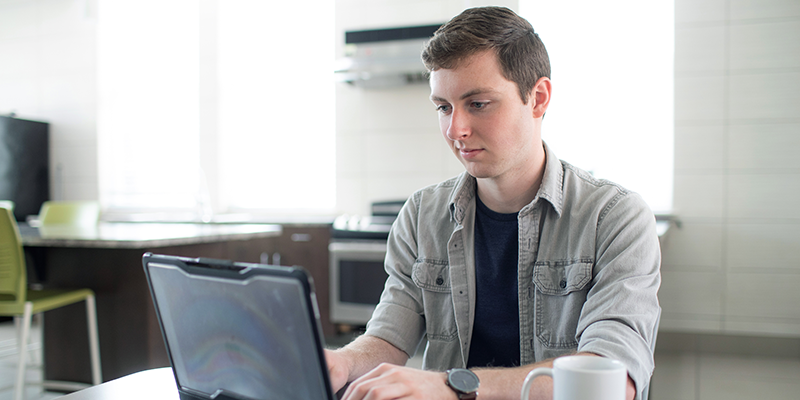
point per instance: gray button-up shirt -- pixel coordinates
(588, 273)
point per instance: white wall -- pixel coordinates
(48, 73)
(732, 268)
(388, 142)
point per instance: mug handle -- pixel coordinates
(526, 385)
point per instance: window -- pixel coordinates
(612, 107)
(216, 103)
(277, 133)
(148, 104)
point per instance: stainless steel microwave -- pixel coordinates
(357, 278)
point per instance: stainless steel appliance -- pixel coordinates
(357, 251)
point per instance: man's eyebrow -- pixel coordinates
(471, 93)
(474, 92)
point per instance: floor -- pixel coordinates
(8, 363)
(687, 368)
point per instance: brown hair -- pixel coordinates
(523, 58)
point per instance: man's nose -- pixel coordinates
(459, 126)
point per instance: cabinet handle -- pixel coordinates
(301, 237)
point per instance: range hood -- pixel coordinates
(381, 58)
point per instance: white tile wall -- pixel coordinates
(773, 95)
(765, 248)
(737, 181)
(763, 295)
(765, 45)
(768, 196)
(692, 292)
(728, 378)
(674, 378)
(700, 49)
(765, 327)
(699, 196)
(695, 246)
(757, 9)
(764, 146)
(699, 149)
(677, 322)
(699, 98)
(708, 367)
(701, 11)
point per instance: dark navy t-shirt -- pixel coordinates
(495, 333)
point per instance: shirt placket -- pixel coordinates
(529, 233)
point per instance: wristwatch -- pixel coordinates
(464, 382)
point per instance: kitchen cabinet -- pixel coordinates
(130, 338)
(307, 246)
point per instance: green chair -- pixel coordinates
(7, 204)
(75, 213)
(22, 303)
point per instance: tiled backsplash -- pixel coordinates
(737, 178)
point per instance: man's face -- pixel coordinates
(482, 117)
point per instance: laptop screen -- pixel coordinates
(252, 338)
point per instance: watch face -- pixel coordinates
(463, 380)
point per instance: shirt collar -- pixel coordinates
(551, 188)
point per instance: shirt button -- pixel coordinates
(439, 281)
(563, 284)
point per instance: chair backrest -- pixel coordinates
(7, 204)
(13, 279)
(76, 213)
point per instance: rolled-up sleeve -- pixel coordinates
(621, 314)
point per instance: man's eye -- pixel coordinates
(443, 108)
(479, 104)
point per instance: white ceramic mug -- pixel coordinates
(583, 378)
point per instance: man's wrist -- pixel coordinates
(463, 382)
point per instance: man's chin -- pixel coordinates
(478, 174)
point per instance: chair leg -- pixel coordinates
(19, 387)
(94, 345)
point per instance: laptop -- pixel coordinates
(238, 330)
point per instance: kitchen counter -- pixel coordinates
(108, 259)
(226, 218)
(129, 235)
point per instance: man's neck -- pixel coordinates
(513, 191)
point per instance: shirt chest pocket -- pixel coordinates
(433, 280)
(560, 292)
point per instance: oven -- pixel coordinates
(357, 250)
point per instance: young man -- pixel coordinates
(521, 259)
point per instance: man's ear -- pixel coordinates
(539, 98)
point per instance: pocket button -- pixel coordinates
(439, 281)
(563, 283)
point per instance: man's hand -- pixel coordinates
(359, 357)
(338, 369)
(389, 381)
